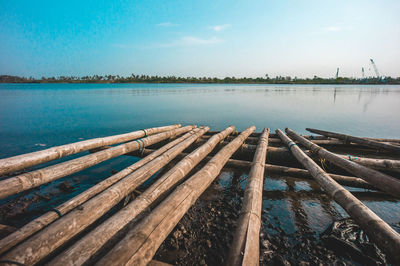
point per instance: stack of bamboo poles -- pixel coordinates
(68, 224)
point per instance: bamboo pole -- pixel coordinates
(377, 230)
(23, 161)
(49, 217)
(246, 241)
(84, 249)
(36, 178)
(362, 141)
(53, 236)
(140, 244)
(384, 164)
(382, 181)
(289, 171)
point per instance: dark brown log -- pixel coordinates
(23, 161)
(246, 241)
(49, 217)
(362, 141)
(40, 245)
(377, 230)
(140, 244)
(382, 181)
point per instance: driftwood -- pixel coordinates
(245, 245)
(362, 141)
(36, 178)
(53, 236)
(140, 244)
(286, 171)
(378, 231)
(82, 250)
(382, 181)
(23, 161)
(49, 217)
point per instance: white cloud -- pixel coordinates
(189, 41)
(167, 24)
(333, 28)
(220, 27)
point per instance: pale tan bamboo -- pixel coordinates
(53, 236)
(362, 141)
(377, 230)
(82, 250)
(140, 244)
(246, 241)
(382, 181)
(36, 178)
(23, 161)
(49, 217)
(350, 181)
(384, 164)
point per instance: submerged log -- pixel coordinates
(49, 217)
(382, 181)
(377, 230)
(84, 249)
(246, 241)
(36, 178)
(23, 161)
(40, 245)
(362, 141)
(140, 244)
(289, 171)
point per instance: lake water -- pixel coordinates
(38, 116)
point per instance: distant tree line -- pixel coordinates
(173, 79)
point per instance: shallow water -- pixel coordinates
(38, 116)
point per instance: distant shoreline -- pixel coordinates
(136, 79)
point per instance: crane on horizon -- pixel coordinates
(375, 68)
(337, 73)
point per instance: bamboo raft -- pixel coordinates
(66, 235)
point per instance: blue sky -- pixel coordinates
(199, 38)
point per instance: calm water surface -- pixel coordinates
(34, 115)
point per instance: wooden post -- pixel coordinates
(362, 141)
(49, 217)
(377, 230)
(36, 178)
(82, 250)
(246, 242)
(53, 236)
(382, 181)
(140, 244)
(23, 161)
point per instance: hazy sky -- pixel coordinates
(199, 38)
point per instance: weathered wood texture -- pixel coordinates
(377, 230)
(362, 141)
(53, 236)
(246, 241)
(82, 250)
(36, 178)
(49, 217)
(286, 171)
(23, 161)
(140, 244)
(382, 181)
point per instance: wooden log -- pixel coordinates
(140, 244)
(384, 164)
(246, 241)
(36, 178)
(288, 171)
(361, 141)
(377, 230)
(382, 181)
(38, 246)
(84, 249)
(23, 161)
(49, 217)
